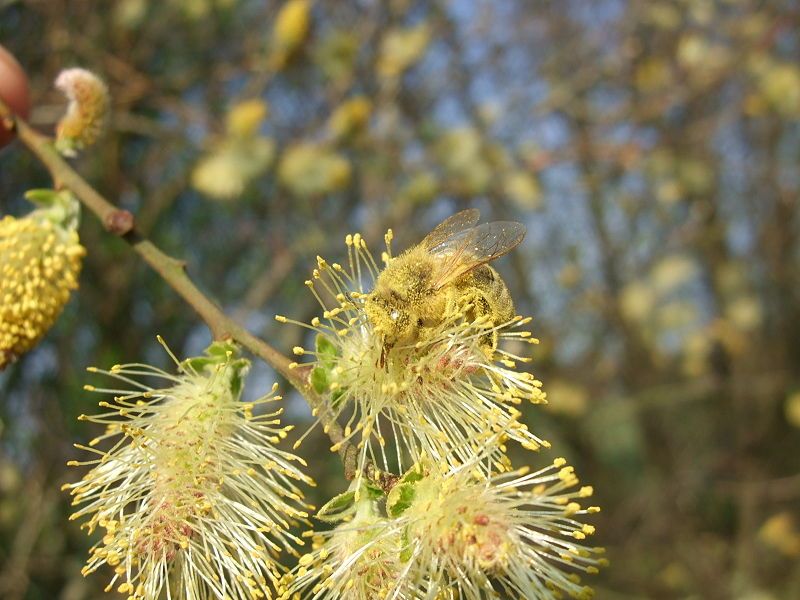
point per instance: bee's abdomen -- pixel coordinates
(494, 289)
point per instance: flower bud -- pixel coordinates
(14, 91)
(87, 114)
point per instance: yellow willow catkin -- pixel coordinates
(442, 396)
(194, 497)
(289, 30)
(39, 265)
(478, 535)
(454, 533)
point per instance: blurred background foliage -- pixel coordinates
(650, 146)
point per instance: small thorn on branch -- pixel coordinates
(118, 222)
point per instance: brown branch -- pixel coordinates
(172, 271)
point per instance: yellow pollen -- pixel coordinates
(39, 267)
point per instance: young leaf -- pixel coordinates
(319, 379)
(326, 351)
(337, 508)
(399, 499)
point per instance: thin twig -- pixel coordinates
(172, 271)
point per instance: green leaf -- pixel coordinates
(414, 474)
(222, 353)
(237, 381)
(57, 206)
(337, 508)
(321, 375)
(215, 354)
(400, 498)
(373, 491)
(319, 379)
(43, 197)
(336, 397)
(326, 351)
(199, 363)
(221, 349)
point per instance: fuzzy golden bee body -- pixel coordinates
(446, 272)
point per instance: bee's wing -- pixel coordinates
(468, 249)
(460, 221)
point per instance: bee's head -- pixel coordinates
(393, 306)
(391, 314)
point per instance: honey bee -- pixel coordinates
(446, 271)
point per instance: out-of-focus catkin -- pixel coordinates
(40, 260)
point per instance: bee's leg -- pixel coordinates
(479, 306)
(385, 349)
(469, 305)
(482, 308)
